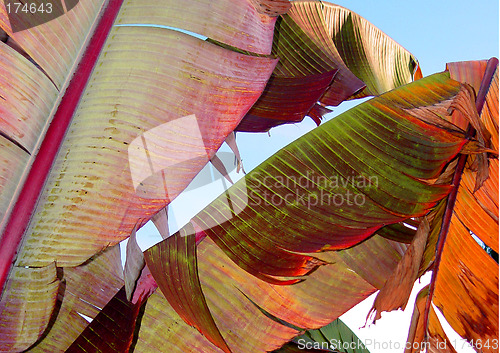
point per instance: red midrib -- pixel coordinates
(40, 169)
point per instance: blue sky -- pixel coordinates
(436, 32)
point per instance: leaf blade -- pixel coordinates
(105, 126)
(26, 306)
(175, 257)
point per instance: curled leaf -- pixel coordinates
(112, 330)
(465, 103)
(437, 115)
(217, 163)
(317, 112)
(301, 200)
(447, 175)
(231, 142)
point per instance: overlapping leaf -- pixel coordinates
(310, 17)
(363, 54)
(112, 330)
(285, 100)
(438, 341)
(308, 304)
(244, 327)
(284, 232)
(177, 99)
(86, 289)
(106, 124)
(478, 210)
(175, 257)
(28, 95)
(337, 185)
(26, 307)
(234, 22)
(90, 197)
(336, 336)
(468, 276)
(370, 54)
(314, 32)
(56, 46)
(301, 63)
(85, 209)
(466, 285)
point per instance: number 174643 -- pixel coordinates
(33, 8)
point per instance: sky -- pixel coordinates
(436, 32)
